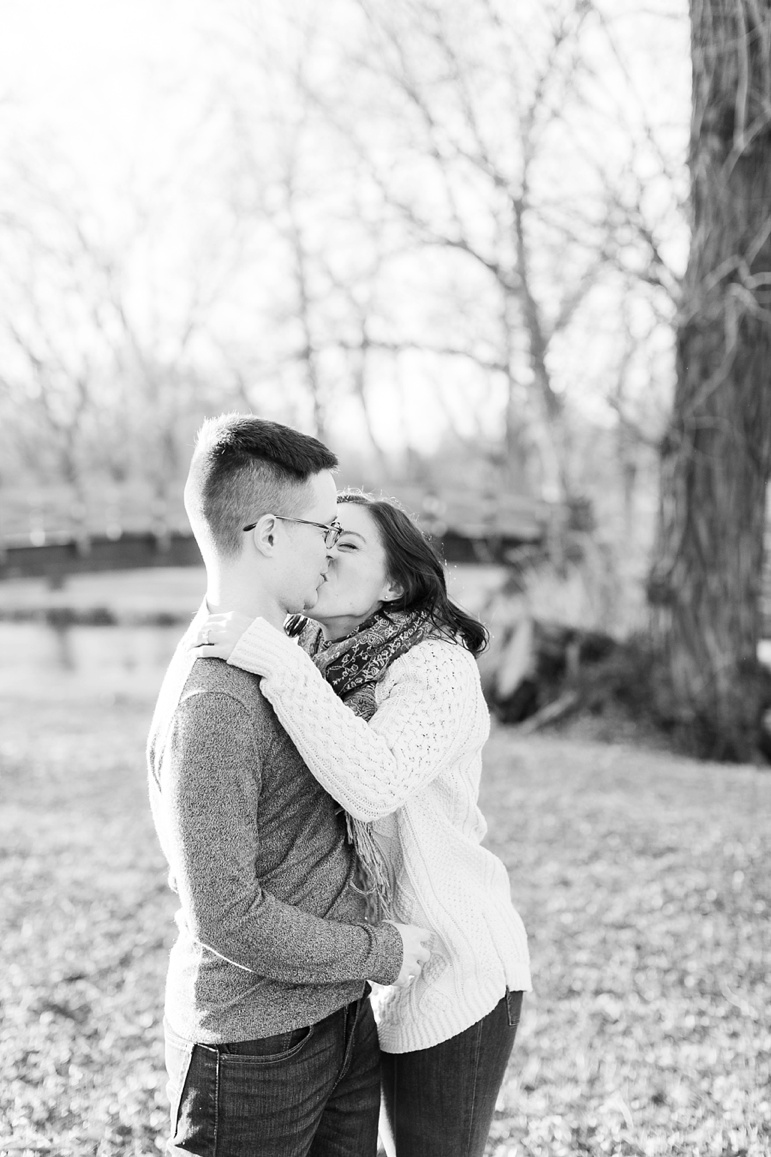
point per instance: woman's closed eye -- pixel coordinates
(346, 544)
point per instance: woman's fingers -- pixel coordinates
(207, 636)
(218, 634)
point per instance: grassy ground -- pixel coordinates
(641, 878)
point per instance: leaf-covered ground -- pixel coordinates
(642, 878)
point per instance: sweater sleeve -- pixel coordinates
(207, 809)
(431, 710)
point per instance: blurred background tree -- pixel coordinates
(707, 575)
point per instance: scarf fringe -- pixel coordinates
(374, 883)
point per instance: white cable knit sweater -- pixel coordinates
(413, 770)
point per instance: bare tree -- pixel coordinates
(53, 365)
(716, 456)
(102, 369)
(282, 198)
(466, 120)
(406, 165)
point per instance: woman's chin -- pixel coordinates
(324, 601)
(319, 607)
(323, 610)
(317, 612)
(312, 600)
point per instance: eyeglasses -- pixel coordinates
(332, 530)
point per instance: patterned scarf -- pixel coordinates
(353, 666)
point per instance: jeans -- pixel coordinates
(311, 1092)
(440, 1101)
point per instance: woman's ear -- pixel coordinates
(392, 592)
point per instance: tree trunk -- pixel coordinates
(706, 579)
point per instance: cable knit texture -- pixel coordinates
(413, 771)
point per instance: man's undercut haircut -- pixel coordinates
(244, 467)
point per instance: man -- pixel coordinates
(271, 1047)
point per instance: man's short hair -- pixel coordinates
(244, 467)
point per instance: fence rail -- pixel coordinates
(57, 555)
(62, 555)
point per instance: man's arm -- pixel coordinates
(207, 812)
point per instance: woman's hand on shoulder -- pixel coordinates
(218, 635)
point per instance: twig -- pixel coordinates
(550, 713)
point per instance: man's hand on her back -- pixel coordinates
(416, 943)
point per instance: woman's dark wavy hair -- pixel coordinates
(414, 564)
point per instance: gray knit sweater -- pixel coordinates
(271, 932)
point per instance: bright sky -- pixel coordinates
(88, 50)
(89, 74)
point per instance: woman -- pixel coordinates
(383, 701)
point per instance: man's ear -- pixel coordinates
(264, 534)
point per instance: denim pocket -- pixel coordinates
(267, 1049)
(513, 1007)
